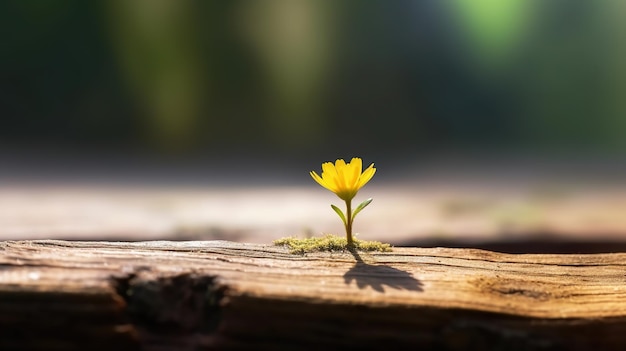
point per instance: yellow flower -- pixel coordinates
(343, 179)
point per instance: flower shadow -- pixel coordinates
(379, 276)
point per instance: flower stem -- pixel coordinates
(349, 223)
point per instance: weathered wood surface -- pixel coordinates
(59, 295)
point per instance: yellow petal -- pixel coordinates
(344, 179)
(367, 175)
(328, 167)
(328, 170)
(317, 178)
(340, 166)
(329, 175)
(354, 171)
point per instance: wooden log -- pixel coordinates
(60, 295)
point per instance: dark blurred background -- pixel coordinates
(299, 76)
(306, 81)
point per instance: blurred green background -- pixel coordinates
(302, 76)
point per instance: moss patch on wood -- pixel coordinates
(329, 242)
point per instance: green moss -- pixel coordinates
(329, 242)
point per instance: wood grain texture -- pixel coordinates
(60, 295)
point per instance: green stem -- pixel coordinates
(349, 223)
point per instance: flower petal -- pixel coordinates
(328, 167)
(353, 172)
(340, 166)
(367, 175)
(329, 175)
(344, 179)
(318, 179)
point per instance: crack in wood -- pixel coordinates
(518, 288)
(182, 309)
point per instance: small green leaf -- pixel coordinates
(361, 206)
(343, 217)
